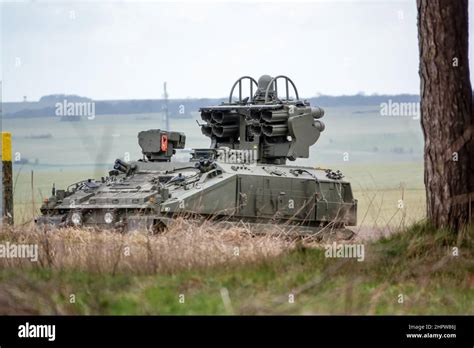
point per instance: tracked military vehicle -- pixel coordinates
(244, 175)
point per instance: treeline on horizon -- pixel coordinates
(46, 106)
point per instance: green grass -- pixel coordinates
(417, 264)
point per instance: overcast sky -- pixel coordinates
(125, 50)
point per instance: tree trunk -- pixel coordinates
(446, 111)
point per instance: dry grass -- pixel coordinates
(185, 245)
(200, 262)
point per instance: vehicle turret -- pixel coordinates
(276, 127)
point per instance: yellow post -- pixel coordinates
(7, 178)
(6, 146)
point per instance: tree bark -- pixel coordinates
(446, 111)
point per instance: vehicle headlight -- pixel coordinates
(76, 218)
(108, 218)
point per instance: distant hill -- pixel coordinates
(59, 98)
(362, 100)
(45, 107)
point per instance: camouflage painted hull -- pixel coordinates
(254, 194)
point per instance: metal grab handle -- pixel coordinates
(239, 82)
(274, 82)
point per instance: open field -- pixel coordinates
(207, 271)
(361, 132)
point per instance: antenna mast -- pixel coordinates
(166, 120)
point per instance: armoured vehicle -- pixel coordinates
(242, 176)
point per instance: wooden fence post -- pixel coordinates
(7, 178)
